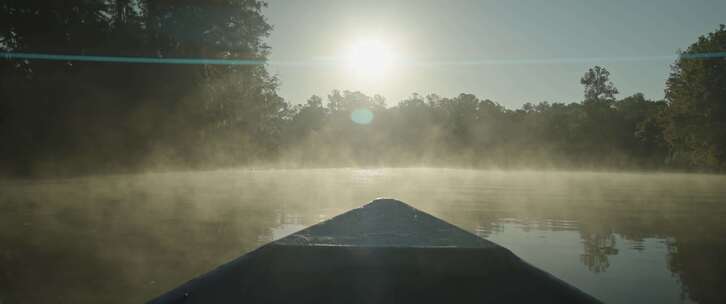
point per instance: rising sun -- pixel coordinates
(369, 59)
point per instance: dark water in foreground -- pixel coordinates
(624, 238)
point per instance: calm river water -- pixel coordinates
(622, 237)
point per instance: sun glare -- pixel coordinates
(369, 60)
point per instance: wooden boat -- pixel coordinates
(383, 252)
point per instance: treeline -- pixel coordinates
(68, 117)
(468, 131)
(75, 117)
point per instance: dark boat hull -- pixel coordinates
(328, 271)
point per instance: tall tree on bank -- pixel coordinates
(598, 86)
(93, 116)
(696, 96)
(601, 124)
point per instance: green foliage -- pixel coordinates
(467, 130)
(696, 95)
(597, 85)
(78, 117)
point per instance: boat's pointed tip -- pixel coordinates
(386, 202)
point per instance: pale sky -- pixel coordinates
(509, 51)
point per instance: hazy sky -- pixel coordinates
(508, 51)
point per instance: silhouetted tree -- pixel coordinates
(641, 129)
(598, 85)
(73, 117)
(696, 95)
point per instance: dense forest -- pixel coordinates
(70, 117)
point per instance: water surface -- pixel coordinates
(622, 237)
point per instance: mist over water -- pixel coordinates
(95, 94)
(623, 237)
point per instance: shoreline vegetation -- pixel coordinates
(74, 118)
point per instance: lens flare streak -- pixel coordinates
(314, 62)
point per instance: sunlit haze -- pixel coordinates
(509, 51)
(369, 60)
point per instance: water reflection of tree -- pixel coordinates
(700, 263)
(598, 247)
(695, 242)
